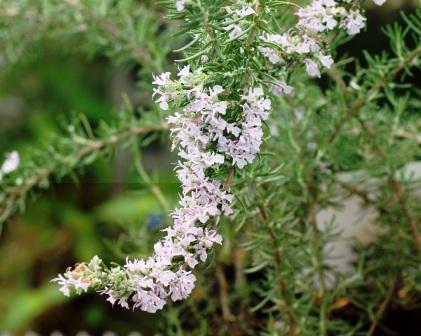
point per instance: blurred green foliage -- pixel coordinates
(40, 93)
(109, 211)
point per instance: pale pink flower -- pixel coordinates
(11, 163)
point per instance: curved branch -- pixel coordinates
(12, 197)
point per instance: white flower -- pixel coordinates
(379, 2)
(162, 79)
(11, 163)
(354, 85)
(204, 58)
(305, 46)
(326, 60)
(279, 88)
(319, 16)
(147, 300)
(311, 68)
(216, 90)
(270, 54)
(180, 4)
(166, 277)
(163, 104)
(71, 280)
(233, 129)
(182, 286)
(245, 11)
(166, 90)
(234, 30)
(184, 73)
(211, 237)
(120, 301)
(353, 22)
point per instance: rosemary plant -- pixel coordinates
(265, 121)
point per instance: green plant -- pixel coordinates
(244, 59)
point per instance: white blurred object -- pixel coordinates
(379, 2)
(5, 333)
(11, 163)
(56, 333)
(83, 333)
(355, 222)
(31, 333)
(109, 333)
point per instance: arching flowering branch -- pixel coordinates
(220, 105)
(205, 138)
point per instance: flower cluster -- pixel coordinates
(325, 15)
(75, 279)
(304, 41)
(206, 139)
(234, 23)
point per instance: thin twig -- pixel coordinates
(281, 286)
(312, 207)
(333, 73)
(159, 195)
(353, 190)
(408, 135)
(20, 192)
(397, 188)
(223, 294)
(383, 306)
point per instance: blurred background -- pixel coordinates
(108, 211)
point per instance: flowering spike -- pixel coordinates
(216, 126)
